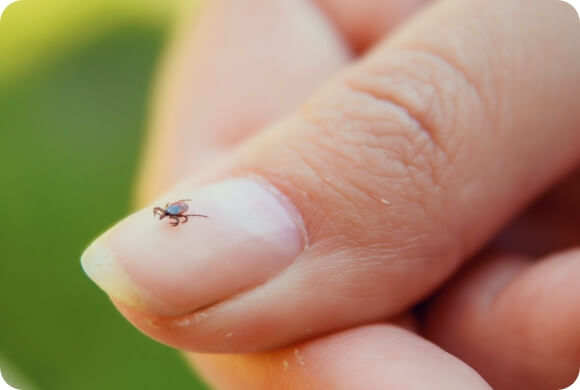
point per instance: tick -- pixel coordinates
(175, 211)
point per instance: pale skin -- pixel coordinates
(407, 160)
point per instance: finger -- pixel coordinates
(363, 23)
(514, 321)
(370, 357)
(550, 225)
(235, 69)
(230, 72)
(367, 199)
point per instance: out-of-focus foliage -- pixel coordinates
(75, 82)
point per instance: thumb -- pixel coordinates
(365, 200)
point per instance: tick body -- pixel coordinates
(176, 212)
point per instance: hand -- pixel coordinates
(331, 217)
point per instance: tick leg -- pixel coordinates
(186, 219)
(176, 219)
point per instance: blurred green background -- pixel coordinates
(75, 82)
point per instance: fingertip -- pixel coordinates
(99, 264)
(513, 320)
(233, 235)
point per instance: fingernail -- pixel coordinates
(99, 264)
(250, 235)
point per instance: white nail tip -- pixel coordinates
(99, 264)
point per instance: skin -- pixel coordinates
(463, 118)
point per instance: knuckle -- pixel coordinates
(390, 128)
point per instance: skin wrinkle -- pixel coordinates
(418, 92)
(323, 125)
(336, 186)
(421, 155)
(419, 167)
(373, 146)
(358, 139)
(437, 115)
(311, 166)
(371, 236)
(458, 71)
(391, 99)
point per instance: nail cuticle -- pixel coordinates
(287, 204)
